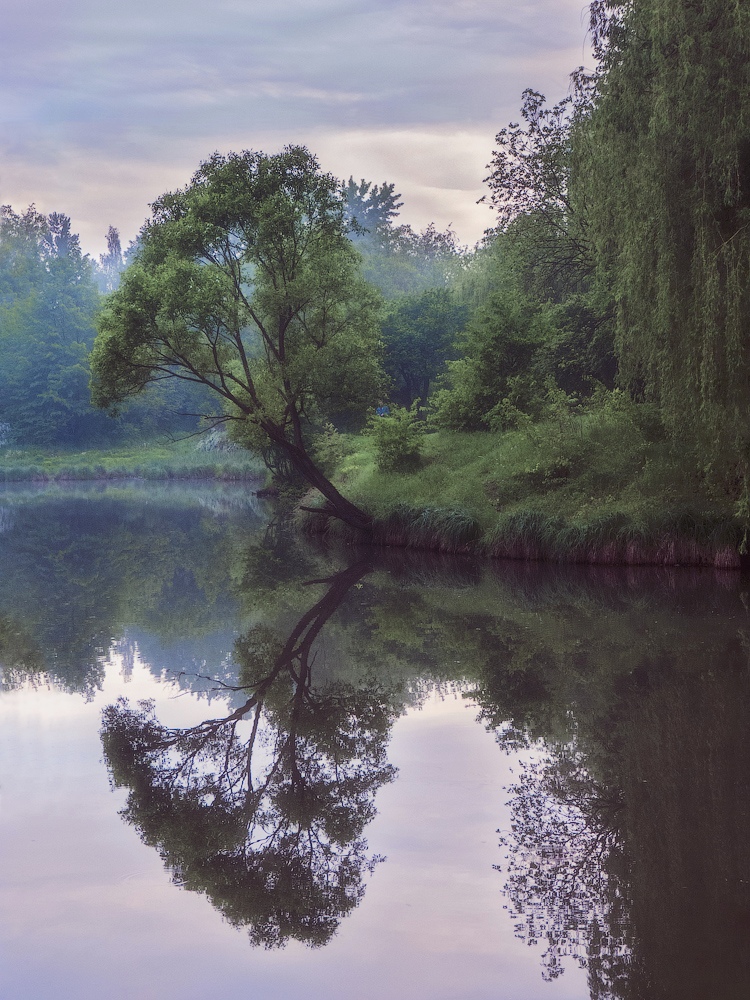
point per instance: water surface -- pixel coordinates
(234, 763)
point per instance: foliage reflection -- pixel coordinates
(263, 809)
(627, 849)
(626, 693)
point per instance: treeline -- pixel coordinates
(615, 277)
(50, 296)
(620, 261)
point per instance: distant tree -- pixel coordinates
(419, 332)
(111, 263)
(245, 282)
(48, 301)
(397, 259)
(370, 210)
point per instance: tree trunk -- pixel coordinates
(337, 505)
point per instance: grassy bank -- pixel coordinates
(145, 460)
(598, 487)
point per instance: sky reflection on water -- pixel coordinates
(626, 846)
(89, 911)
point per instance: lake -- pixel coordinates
(237, 764)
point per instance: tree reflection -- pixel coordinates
(263, 809)
(566, 870)
(628, 849)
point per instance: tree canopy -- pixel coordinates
(48, 299)
(245, 282)
(667, 186)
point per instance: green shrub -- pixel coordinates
(330, 449)
(398, 439)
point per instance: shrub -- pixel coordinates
(330, 449)
(398, 439)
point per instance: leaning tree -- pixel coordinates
(245, 282)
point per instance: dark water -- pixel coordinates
(235, 765)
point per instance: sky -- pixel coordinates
(106, 104)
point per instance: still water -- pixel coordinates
(233, 764)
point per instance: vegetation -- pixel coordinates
(153, 460)
(603, 351)
(583, 372)
(599, 483)
(397, 438)
(48, 305)
(245, 283)
(665, 181)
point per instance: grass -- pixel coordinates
(601, 487)
(152, 460)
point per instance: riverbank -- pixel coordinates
(602, 488)
(158, 461)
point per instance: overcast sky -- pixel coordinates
(106, 104)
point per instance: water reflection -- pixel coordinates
(265, 818)
(624, 697)
(628, 849)
(77, 573)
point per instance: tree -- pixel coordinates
(541, 251)
(111, 263)
(667, 177)
(530, 188)
(246, 283)
(419, 332)
(497, 372)
(48, 300)
(370, 209)
(396, 259)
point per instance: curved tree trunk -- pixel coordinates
(336, 504)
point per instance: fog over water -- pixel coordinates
(105, 106)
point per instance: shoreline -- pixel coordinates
(535, 537)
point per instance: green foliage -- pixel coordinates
(398, 438)
(419, 333)
(596, 477)
(529, 182)
(330, 448)
(246, 283)
(499, 345)
(556, 316)
(48, 301)
(666, 183)
(48, 307)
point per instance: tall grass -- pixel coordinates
(606, 489)
(683, 538)
(439, 529)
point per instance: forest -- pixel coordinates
(573, 387)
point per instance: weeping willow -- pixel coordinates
(664, 175)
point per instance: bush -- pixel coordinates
(329, 450)
(398, 439)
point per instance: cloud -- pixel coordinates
(99, 100)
